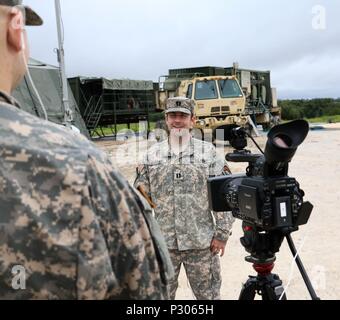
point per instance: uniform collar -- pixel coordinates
(188, 151)
(4, 97)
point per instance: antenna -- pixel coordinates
(68, 115)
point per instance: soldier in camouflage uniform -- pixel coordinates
(174, 175)
(70, 226)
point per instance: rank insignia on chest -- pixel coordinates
(178, 175)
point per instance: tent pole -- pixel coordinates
(68, 115)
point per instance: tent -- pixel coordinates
(47, 80)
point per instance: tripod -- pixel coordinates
(267, 284)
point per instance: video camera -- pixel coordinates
(268, 201)
(265, 196)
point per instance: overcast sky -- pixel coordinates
(298, 41)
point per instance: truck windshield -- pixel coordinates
(205, 90)
(229, 88)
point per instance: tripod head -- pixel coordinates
(262, 246)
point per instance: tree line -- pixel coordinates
(314, 108)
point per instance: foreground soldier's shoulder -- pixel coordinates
(39, 136)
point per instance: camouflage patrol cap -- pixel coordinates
(180, 104)
(32, 18)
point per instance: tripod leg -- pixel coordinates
(301, 268)
(248, 289)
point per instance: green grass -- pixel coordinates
(325, 119)
(134, 127)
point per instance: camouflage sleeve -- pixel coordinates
(219, 165)
(224, 224)
(142, 178)
(224, 220)
(117, 258)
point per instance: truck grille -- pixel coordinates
(215, 109)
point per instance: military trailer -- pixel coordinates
(106, 103)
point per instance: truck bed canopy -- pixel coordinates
(106, 102)
(116, 84)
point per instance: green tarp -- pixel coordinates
(48, 83)
(117, 84)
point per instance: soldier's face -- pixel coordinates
(179, 123)
(179, 120)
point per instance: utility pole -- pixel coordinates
(68, 116)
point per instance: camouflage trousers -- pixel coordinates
(203, 272)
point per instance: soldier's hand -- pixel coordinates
(217, 246)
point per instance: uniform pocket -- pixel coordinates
(161, 179)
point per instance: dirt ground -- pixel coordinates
(316, 166)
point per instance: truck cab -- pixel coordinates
(214, 96)
(219, 100)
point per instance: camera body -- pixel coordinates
(265, 197)
(266, 202)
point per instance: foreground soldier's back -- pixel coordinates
(72, 224)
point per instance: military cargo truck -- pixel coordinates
(224, 97)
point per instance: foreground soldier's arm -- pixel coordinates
(117, 257)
